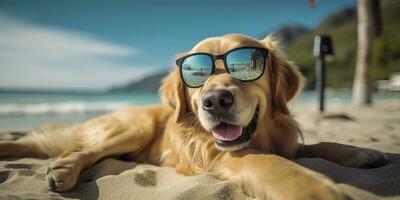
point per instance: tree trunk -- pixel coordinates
(369, 20)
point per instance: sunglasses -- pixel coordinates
(244, 64)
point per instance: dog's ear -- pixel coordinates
(285, 79)
(173, 93)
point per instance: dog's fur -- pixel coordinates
(177, 134)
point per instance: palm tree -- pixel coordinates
(369, 25)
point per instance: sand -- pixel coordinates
(376, 127)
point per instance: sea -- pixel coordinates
(26, 110)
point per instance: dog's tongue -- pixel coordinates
(227, 132)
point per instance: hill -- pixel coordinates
(342, 27)
(289, 33)
(149, 83)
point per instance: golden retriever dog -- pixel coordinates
(235, 129)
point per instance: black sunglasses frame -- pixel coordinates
(214, 58)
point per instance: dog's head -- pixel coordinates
(234, 111)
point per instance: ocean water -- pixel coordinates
(20, 110)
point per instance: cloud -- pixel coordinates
(44, 57)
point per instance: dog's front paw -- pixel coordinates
(61, 175)
(364, 158)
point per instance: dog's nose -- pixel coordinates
(218, 101)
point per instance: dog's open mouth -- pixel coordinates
(227, 132)
(230, 136)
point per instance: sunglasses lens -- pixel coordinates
(246, 64)
(196, 69)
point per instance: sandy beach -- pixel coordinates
(376, 127)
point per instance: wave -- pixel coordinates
(68, 107)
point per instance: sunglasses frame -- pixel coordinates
(214, 58)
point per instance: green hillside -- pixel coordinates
(342, 27)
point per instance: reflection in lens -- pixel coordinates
(246, 64)
(196, 69)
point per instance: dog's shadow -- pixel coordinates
(382, 181)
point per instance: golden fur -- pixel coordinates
(177, 134)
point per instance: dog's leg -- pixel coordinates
(78, 147)
(48, 141)
(63, 172)
(20, 148)
(346, 155)
(273, 177)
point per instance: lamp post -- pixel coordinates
(322, 47)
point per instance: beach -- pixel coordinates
(376, 127)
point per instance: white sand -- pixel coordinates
(377, 127)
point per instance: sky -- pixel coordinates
(97, 44)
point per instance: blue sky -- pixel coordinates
(96, 44)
